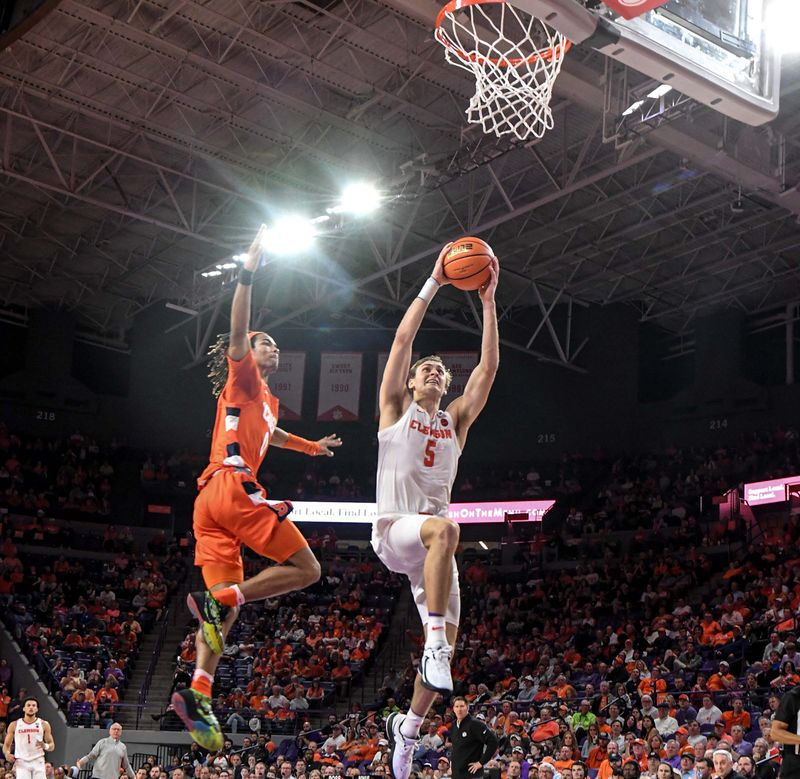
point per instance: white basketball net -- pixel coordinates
(515, 59)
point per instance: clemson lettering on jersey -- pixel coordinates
(429, 431)
(27, 737)
(417, 463)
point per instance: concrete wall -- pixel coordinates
(72, 743)
(25, 676)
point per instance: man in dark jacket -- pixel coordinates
(473, 742)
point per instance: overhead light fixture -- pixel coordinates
(289, 235)
(483, 545)
(211, 273)
(781, 25)
(226, 265)
(660, 91)
(654, 94)
(632, 108)
(358, 198)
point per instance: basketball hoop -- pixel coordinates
(515, 59)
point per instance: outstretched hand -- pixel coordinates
(438, 268)
(255, 250)
(328, 444)
(487, 291)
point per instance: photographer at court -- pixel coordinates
(473, 743)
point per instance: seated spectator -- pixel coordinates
(80, 712)
(106, 699)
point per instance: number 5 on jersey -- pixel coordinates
(430, 453)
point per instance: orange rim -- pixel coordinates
(447, 10)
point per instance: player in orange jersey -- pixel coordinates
(232, 508)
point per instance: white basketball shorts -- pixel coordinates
(397, 542)
(29, 769)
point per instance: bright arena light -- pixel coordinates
(660, 91)
(358, 198)
(783, 18)
(289, 235)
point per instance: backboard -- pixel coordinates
(718, 52)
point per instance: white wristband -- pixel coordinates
(429, 289)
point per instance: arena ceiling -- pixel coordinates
(141, 142)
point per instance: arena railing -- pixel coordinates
(151, 668)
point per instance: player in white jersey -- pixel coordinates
(418, 449)
(31, 737)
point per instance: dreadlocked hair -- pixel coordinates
(218, 362)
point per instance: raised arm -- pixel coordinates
(393, 392)
(466, 408)
(240, 308)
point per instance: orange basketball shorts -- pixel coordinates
(232, 510)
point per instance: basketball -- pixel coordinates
(466, 264)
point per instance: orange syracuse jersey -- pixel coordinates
(247, 414)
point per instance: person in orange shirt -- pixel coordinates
(737, 716)
(341, 674)
(232, 507)
(597, 755)
(74, 640)
(654, 686)
(639, 753)
(723, 679)
(105, 699)
(611, 763)
(564, 758)
(563, 689)
(87, 692)
(548, 727)
(710, 628)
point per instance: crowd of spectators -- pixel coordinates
(300, 652)
(595, 492)
(62, 476)
(663, 653)
(78, 619)
(660, 651)
(598, 493)
(298, 480)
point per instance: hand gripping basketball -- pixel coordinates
(467, 263)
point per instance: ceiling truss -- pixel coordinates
(142, 142)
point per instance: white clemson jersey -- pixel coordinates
(417, 463)
(26, 737)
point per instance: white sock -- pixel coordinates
(436, 634)
(240, 601)
(410, 726)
